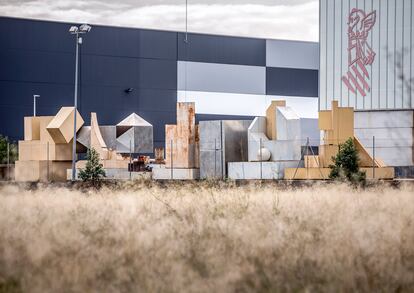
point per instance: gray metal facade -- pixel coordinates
(37, 57)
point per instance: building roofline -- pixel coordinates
(156, 30)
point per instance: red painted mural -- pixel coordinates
(360, 53)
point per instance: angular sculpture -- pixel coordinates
(91, 137)
(134, 135)
(46, 151)
(181, 147)
(287, 130)
(181, 140)
(61, 126)
(274, 143)
(221, 142)
(337, 126)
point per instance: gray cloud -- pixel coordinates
(287, 19)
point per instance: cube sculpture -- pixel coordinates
(221, 142)
(278, 133)
(337, 126)
(46, 151)
(61, 126)
(134, 135)
(181, 146)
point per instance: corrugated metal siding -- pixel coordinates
(391, 39)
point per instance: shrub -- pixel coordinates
(13, 153)
(345, 167)
(93, 171)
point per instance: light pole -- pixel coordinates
(34, 104)
(74, 30)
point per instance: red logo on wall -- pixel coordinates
(360, 54)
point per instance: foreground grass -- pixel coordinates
(207, 239)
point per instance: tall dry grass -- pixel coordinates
(207, 239)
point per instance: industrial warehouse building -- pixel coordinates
(125, 70)
(366, 62)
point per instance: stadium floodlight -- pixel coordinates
(85, 28)
(74, 30)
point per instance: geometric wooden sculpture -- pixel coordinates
(337, 126)
(61, 127)
(271, 112)
(46, 151)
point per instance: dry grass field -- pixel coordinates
(207, 238)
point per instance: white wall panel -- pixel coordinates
(391, 54)
(375, 75)
(244, 104)
(197, 76)
(359, 99)
(384, 119)
(407, 51)
(399, 53)
(386, 137)
(412, 53)
(367, 101)
(352, 96)
(382, 56)
(292, 54)
(337, 62)
(323, 55)
(330, 50)
(345, 90)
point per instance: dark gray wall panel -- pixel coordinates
(291, 82)
(129, 72)
(36, 66)
(222, 49)
(20, 94)
(157, 74)
(130, 42)
(35, 35)
(103, 40)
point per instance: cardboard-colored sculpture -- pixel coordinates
(271, 112)
(337, 126)
(181, 147)
(46, 151)
(61, 126)
(181, 140)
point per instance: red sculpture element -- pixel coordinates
(360, 54)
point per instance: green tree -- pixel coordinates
(94, 171)
(346, 164)
(13, 153)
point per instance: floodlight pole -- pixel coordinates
(76, 108)
(74, 30)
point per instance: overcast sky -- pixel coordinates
(280, 19)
